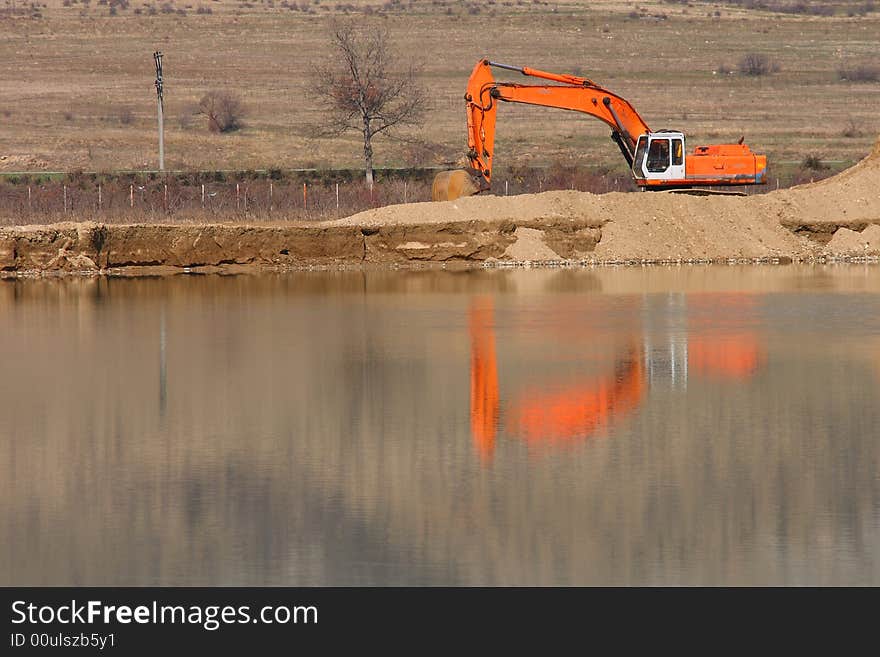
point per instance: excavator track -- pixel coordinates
(698, 191)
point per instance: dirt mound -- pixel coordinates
(525, 208)
(664, 226)
(848, 242)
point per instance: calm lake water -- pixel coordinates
(703, 425)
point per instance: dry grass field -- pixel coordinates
(76, 88)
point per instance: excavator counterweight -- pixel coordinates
(657, 160)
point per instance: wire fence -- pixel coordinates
(275, 195)
(178, 199)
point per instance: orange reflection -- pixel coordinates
(484, 377)
(716, 351)
(578, 411)
(561, 417)
(731, 356)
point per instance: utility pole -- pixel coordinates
(158, 57)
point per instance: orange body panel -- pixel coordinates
(720, 164)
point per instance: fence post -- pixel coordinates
(203, 195)
(236, 196)
(165, 198)
(29, 198)
(271, 192)
(99, 198)
(337, 197)
(505, 188)
(305, 197)
(404, 191)
(131, 196)
(65, 199)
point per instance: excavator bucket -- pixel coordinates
(450, 185)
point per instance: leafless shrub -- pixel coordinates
(860, 73)
(757, 64)
(852, 129)
(813, 162)
(126, 116)
(223, 110)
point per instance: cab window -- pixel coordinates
(677, 152)
(639, 159)
(658, 156)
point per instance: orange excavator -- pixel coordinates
(657, 159)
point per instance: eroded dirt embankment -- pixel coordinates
(835, 217)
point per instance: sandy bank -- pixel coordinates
(835, 217)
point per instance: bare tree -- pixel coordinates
(361, 88)
(224, 111)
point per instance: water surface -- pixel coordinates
(704, 425)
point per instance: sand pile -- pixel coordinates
(793, 223)
(853, 243)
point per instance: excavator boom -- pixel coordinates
(656, 159)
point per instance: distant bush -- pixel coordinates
(860, 73)
(757, 64)
(126, 117)
(204, 10)
(813, 163)
(852, 129)
(812, 8)
(224, 111)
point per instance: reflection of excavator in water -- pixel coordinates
(657, 159)
(538, 417)
(576, 412)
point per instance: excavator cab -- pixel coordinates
(659, 156)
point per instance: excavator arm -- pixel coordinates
(570, 93)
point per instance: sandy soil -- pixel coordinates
(839, 216)
(793, 223)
